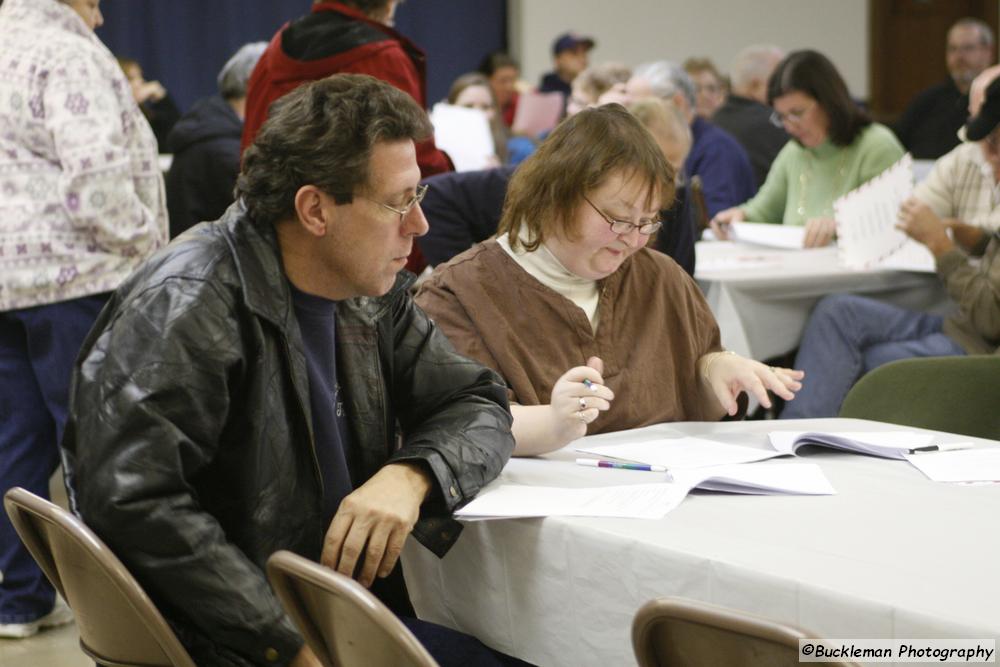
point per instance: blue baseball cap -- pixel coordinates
(571, 40)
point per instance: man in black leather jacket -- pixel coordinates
(215, 419)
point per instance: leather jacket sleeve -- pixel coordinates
(150, 399)
(453, 411)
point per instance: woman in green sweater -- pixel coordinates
(836, 147)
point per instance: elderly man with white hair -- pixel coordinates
(716, 157)
(746, 115)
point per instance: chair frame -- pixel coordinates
(25, 509)
(286, 571)
(671, 609)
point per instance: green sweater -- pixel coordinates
(804, 182)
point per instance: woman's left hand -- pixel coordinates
(729, 374)
(819, 232)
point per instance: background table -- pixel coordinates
(762, 297)
(893, 555)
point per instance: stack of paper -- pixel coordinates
(889, 445)
(503, 500)
(866, 224)
(786, 237)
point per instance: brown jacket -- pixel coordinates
(654, 325)
(976, 289)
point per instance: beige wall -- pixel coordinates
(635, 31)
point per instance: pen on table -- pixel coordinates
(950, 447)
(600, 463)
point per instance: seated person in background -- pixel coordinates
(962, 186)
(569, 56)
(473, 91)
(848, 335)
(745, 114)
(205, 144)
(296, 352)
(502, 72)
(672, 134)
(836, 148)
(592, 331)
(928, 126)
(154, 101)
(605, 81)
(716, 158)
(710, 87)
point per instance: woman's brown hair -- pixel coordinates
(579, 156)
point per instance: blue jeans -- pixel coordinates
(38, 347)
(849, 335)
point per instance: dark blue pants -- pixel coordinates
(452, 648)
(38, 347)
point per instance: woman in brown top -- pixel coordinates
(569, 284)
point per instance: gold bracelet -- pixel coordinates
(712, 357)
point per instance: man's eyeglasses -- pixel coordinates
(794, 116)
(622, 227)
(408, 206)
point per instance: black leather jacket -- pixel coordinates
(189, 444)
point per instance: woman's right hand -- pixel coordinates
(578, 397)
(720, 223)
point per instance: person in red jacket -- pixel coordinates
(353, 37)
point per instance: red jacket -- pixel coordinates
(337, 39)
(347, 42)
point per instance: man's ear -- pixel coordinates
(312, 208)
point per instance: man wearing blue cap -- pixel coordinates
(569, 54)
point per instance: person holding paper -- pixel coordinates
(593, 331)
(836, 147)
(848, 335)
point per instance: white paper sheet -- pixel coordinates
(866, 223)
(634, 501)
(758, 478)
(967, 465)
(787, 237)
(504, 500)
(675, 453)
(890, 445)
(464, 134)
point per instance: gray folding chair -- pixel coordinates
(119, 625)
(343, 623)
(674, 632)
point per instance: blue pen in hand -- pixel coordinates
(600, 463)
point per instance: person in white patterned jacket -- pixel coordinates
(81, 204)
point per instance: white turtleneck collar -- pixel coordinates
(544, 267)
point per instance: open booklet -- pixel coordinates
(888, 445)
(505, 499)
(682, 453)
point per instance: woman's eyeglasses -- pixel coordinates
(622, 227)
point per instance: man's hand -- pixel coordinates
(380, 514)
(918, 221)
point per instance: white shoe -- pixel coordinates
(60, 615)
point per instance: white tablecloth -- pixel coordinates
(893, 555)
(762, 297)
